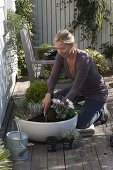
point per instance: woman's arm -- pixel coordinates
(52, 82)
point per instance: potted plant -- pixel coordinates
(68, 136)
(61, 111)
(5, 162)
(51, 143)
(39, 126)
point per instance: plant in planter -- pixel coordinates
(62, 111)
(28, 106)
(38, 126)
(68, 136)
(36, 91)
(5, 163)
(34, 95)
(20, 102)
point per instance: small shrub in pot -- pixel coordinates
(68, 136)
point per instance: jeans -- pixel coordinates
(91, 110)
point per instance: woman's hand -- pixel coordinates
(46, 102)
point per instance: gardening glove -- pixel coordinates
(46, 102)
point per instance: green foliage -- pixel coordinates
(107, 50)
(15, 22)
(63, 111)
(35, 108)
(98, 60)
(36, 91)
(20, 103)
(89, 15)
(14, 25)
(41, 52)
(69, 134)
(5, 163)
(24, 9)
(21, 62)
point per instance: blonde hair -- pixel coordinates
(64, 36)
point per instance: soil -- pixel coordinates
(49, 117)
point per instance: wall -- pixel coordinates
(49, 19)
(8, 61)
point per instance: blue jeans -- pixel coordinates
(90, 112)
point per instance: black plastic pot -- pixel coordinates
(111, 141)
(52, 143)
(68, 144)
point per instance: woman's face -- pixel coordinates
(63, 49)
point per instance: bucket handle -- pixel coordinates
(15, 121)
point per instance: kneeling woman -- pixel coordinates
(87, 82)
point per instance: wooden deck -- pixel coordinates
(93, 153)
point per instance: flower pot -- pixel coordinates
(51, 143)
(39, 131)
(111, 141)
(68, 143)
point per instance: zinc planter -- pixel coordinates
(39, 131)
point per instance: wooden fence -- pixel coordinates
(48, 19)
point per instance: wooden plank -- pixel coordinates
(73, 159)
(88, 155)
(104, 152)
(39, 157)
(56, 159)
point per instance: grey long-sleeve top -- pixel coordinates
(86, 80)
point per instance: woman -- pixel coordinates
(86, 80)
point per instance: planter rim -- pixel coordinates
(59, 122)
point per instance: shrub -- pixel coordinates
(36, 91)
(107, 50)
(98, 60)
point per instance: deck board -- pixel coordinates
(94, 153)
(73, 159)
(56, 159)
(39, 157)
(89, 155)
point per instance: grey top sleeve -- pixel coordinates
(54, 76)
